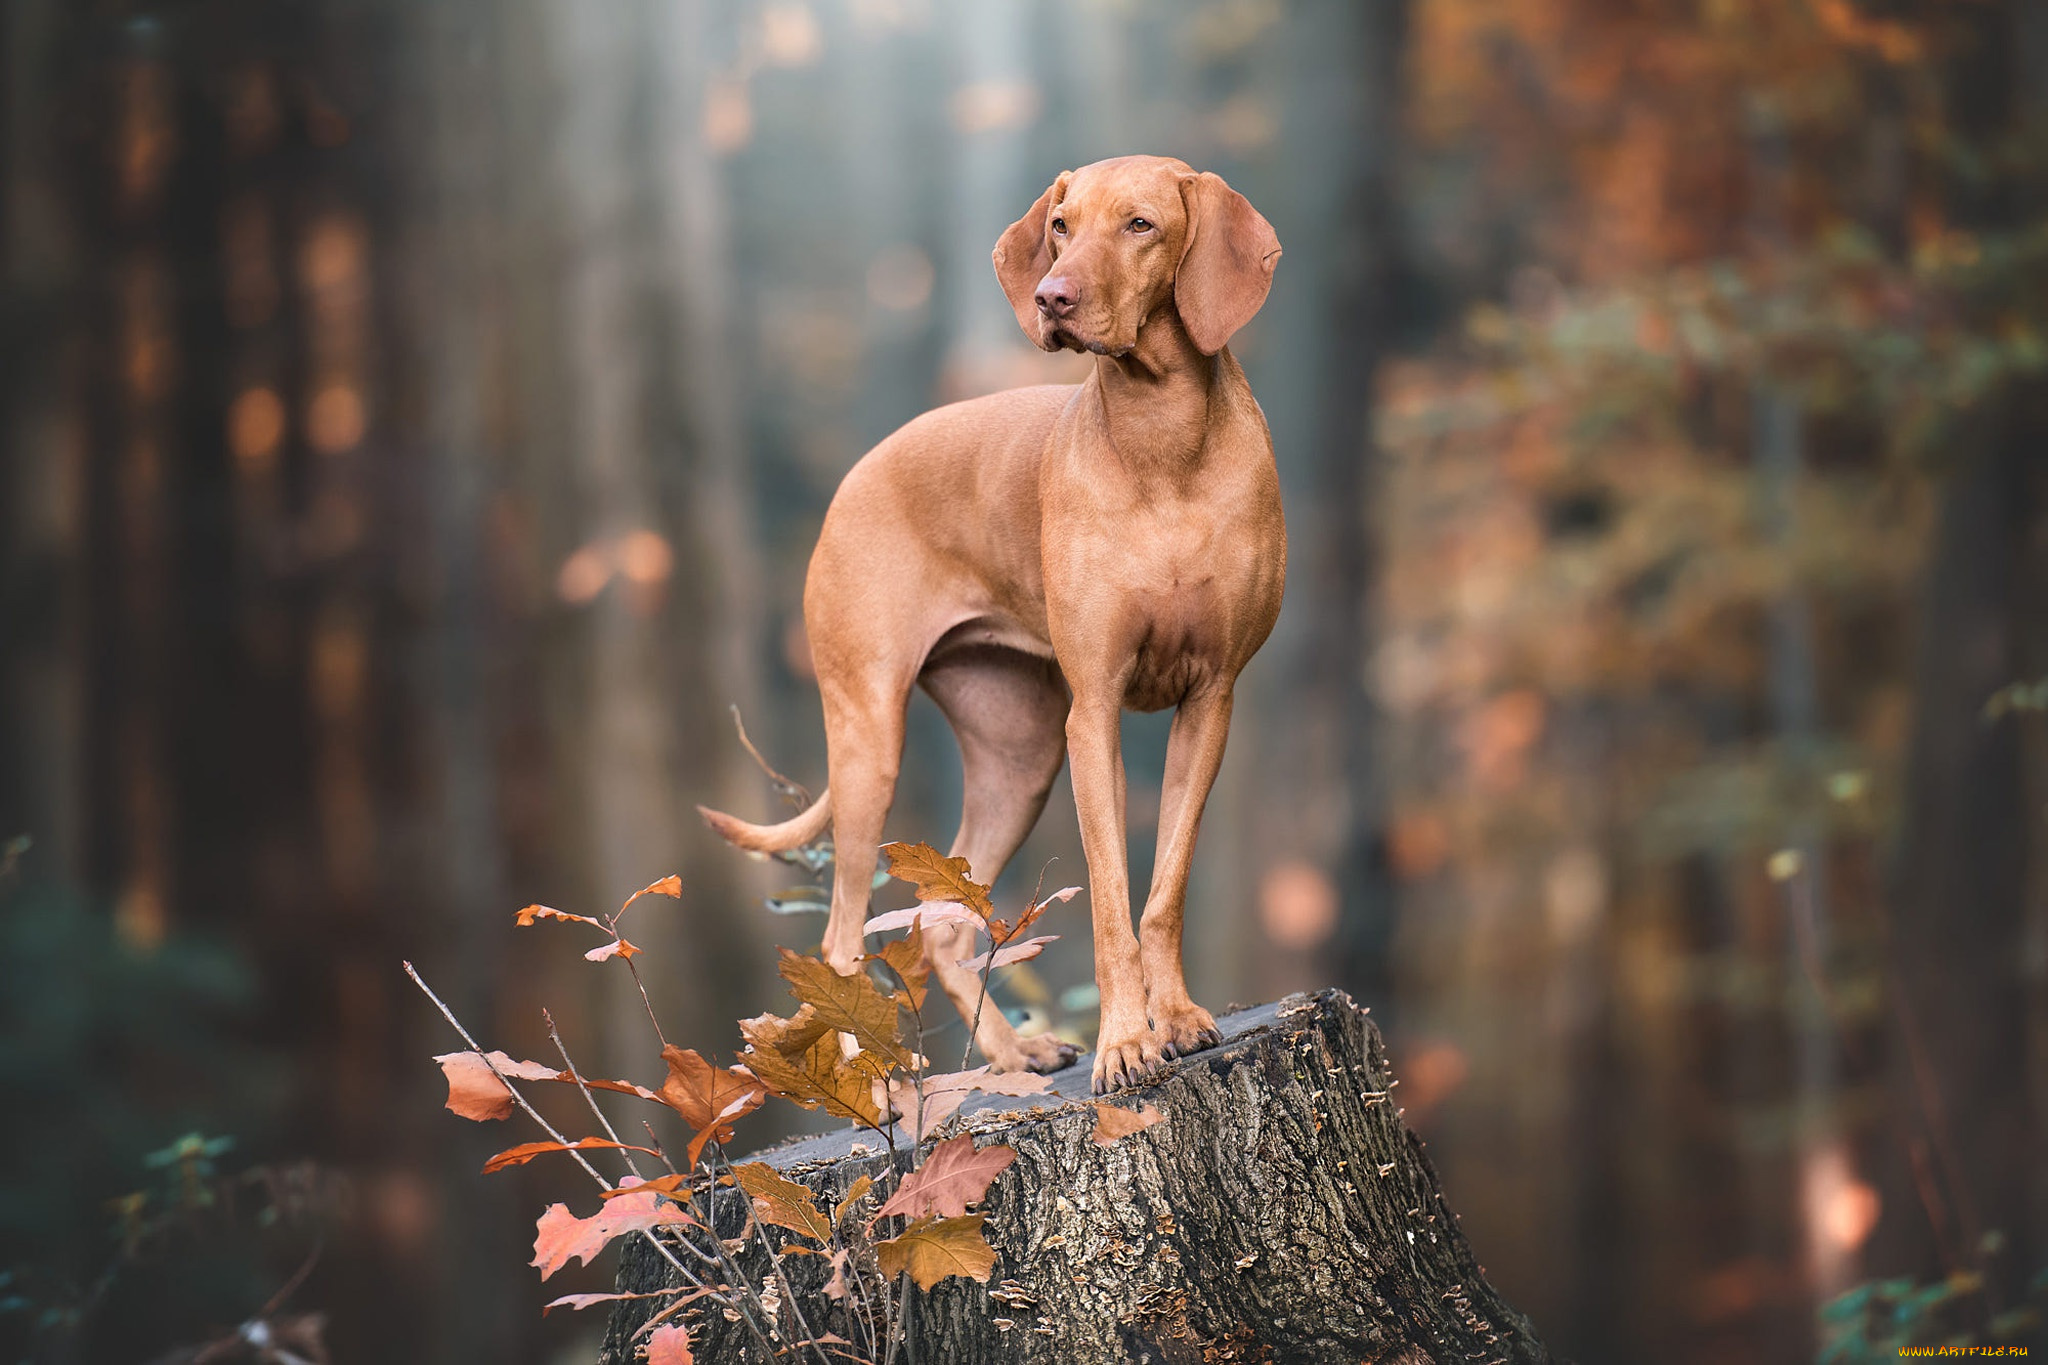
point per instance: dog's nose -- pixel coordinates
(1057, 296)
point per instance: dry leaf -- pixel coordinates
(800, 1059)
(674, 1186)
(938, 878)
(954, 1176)
(527, 1151)
(835, 1288)
(850, 1004)
(533, 912)
(783, 1202)
(708, 1097)
(932, 1249)
(1014, 952)
(475, 1093)
(669, 1344)
(943, 1094)
(561, 1234)
(905, 957)
(931, 912)
(854, 1193)
(1113, 1123)
(579, 1302)
(670, 885)
(618, 947)
(999, 930)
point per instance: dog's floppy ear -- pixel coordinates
(1022, 257)
(1227, 264)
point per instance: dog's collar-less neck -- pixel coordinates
(1156, 397)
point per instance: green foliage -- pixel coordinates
(1877, 1320)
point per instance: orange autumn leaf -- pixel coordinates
(670, 885)
(527, 1151)
(669, 1344)
(1001, 931)
(561, 1235)
(932, 1249)
(783, 1202)
(475, 1093)
(618, 947)
(954, 1176)
(675, 1186)
(939, 878)
(538, 912)
(905, 957)
(709, 1098)
(1113, 1123)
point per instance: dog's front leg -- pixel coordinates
(1194, 753)
(1125, 1050)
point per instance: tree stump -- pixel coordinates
(1282, 1212)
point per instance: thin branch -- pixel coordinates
(588, 1097)
(793, 791)
(660, 1246)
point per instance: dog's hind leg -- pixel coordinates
(1008, 710)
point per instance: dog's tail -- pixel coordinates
(794, 832)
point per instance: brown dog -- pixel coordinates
(1121, 538)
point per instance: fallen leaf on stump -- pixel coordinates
(954, 1176)
(1112, 1124)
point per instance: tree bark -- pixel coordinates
(1282, 1212)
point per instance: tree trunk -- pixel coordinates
(1281, 1212)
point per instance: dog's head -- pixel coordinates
(1105, 247)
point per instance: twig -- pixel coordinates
(660, 1246)
(775, 1268)
(590, 1098)
(792, 791)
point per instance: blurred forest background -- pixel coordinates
(418, 417)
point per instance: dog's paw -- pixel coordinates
(1125, 1061)
(1041, 1052)
(1185, 1028)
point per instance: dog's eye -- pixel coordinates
(1059, 227)
(1140, 225)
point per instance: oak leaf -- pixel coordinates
(1113, 1123)
(527, 1151)
(954, 1176)
(783, 1202)
(669, 1344)
(709, 1098)
(561, 1234)
(933, 1248)
(939, 878)
(905, 957)
(579, 1302)
(800, 1059)
(850, 1003)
